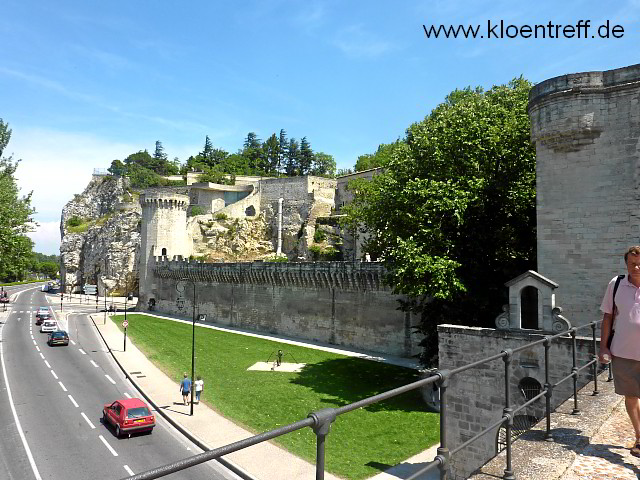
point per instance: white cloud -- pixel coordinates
(46, 238)
(355, 41)
(56, 165)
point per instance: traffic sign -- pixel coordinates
(125, 324)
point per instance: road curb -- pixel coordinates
(226, 463)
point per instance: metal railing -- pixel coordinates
(320, 421)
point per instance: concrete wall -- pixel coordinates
(586, 128)
(331, 302)
(476, 397)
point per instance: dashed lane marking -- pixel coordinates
(37, 348)
(34, 342)
(87, 419)
(47, 364)
(94, 364)
(106, 444)
(110, 379)
(54, 374)
(64, 389)
(73, 401)
(129, 471)
(82, 351)
(72, 342)
(41, 355)
(127, 395)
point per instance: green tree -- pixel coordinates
(382, 157)
(323, 165)
(271, 154)
(207, 152)
(283, 149)
(306, 157)
(291, 167)
(453, 215)
(15, 217)
(117, 168)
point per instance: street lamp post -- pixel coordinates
(193, 345)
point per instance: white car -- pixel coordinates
(48, 326)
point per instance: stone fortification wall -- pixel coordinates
(476, 397)
(334, 302)
(242, 208)
(586, 128)
(164, 224)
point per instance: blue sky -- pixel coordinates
(83, 83)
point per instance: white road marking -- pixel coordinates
(54, 374)
(47, 364)
(62, 386)
(113, 452)
(36, 473)
(87, 419)
(37, 348)
(34, 342)
(129, 471)
(72, 342)
(73, 401)
(127, 395)
(41, 355)
(110, 379)
(94, 364)
(82, 351)
(32, 337)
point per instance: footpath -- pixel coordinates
(263, 461)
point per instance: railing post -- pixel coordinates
(508, 411)
(574, 372)
(549, 389)
(443, 449)
(594, 358)
(322, 424)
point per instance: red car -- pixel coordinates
(129, 415)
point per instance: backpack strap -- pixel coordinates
(615, 289)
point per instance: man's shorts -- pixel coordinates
(626, 376)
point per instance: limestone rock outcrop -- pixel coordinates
(100, 231)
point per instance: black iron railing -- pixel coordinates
(320, 421)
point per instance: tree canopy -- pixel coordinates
(453, 214)
(15, 217)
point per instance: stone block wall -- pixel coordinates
(586, 128)
(476, 397)
(330, 302)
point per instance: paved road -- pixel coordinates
(58, 393)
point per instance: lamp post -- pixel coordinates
(126, 324)
(193, 340)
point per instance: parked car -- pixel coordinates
(59, 337)
(4, 298)
(48, 326)
(129, 415)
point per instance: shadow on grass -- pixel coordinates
(347, 380)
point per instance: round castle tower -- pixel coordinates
(586, 128)
(163, 234)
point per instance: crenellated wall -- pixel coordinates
(338, 303)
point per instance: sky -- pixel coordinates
(84, 83)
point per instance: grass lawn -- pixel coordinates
(361, 443)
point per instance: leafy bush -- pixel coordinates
(74, 221)
(324, 254)
(319, 236)
(197, 210)
(220, 216)
(277, 259)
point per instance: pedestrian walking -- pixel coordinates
(185, 388)
(620, 337)
(199, 386)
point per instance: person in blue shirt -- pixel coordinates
(185, 388)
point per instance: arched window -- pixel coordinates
(529, 308)
(164, 252)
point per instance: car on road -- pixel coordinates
(4, 298)
(59, 337)
(129, 415)
(48, 326)
(42, 314)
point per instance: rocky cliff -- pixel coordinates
(100, 231)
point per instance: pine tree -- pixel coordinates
(283, 149)
(306, 157)
(271, 152)
(293, 156)
(207, 153)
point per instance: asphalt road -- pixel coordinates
(57, 394)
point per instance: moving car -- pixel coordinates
(4, 298)
(48, 326)
(129, 415)
(59, 337)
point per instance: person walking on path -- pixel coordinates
(620, 337)
(185, 388)
(199, 386)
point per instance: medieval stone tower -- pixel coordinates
(586, 128)
(164, 233)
